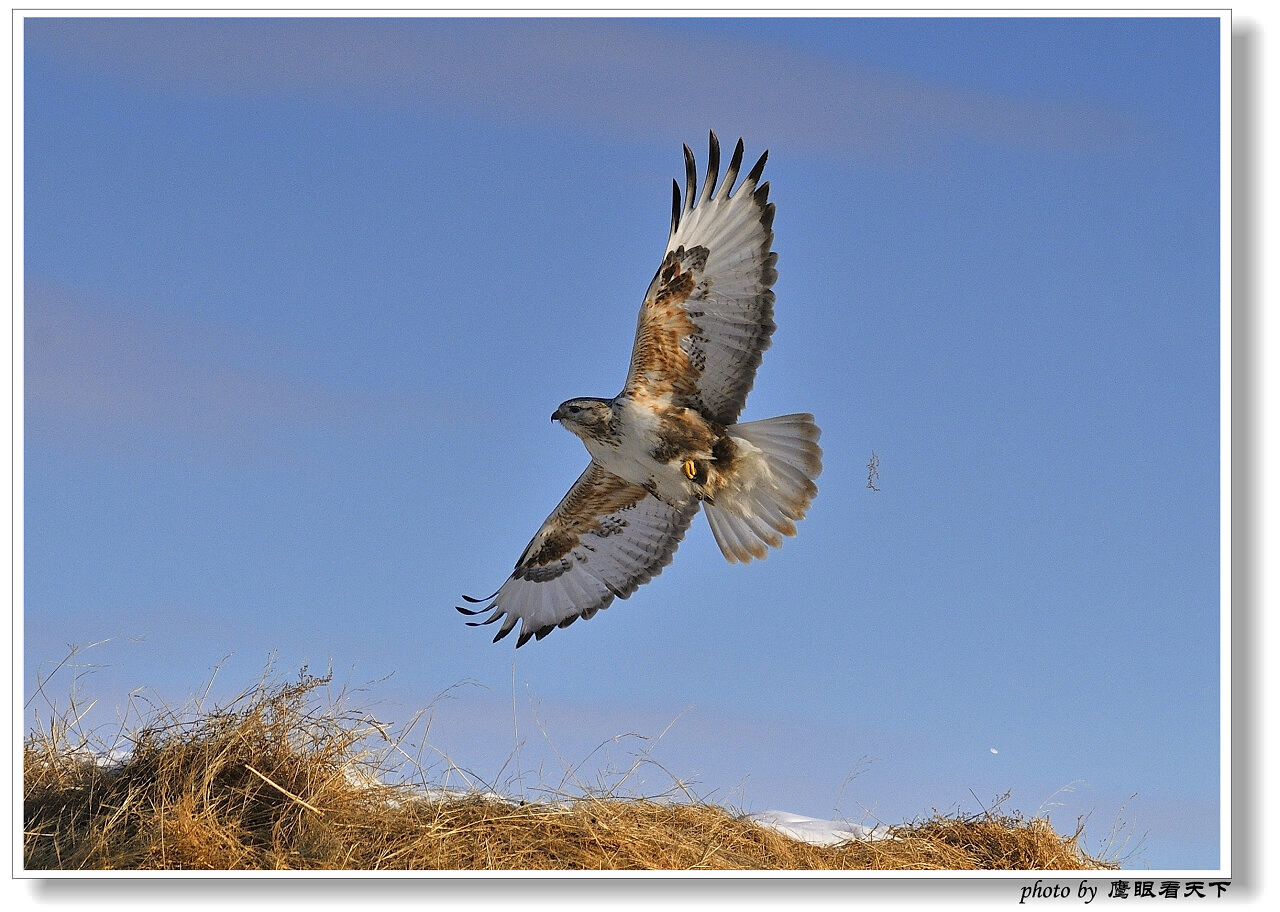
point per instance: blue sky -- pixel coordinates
(300, 295)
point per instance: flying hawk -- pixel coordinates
(670, 443)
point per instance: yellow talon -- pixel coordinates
(690, 469)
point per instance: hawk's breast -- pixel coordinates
(654, 439)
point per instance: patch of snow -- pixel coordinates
(818, 832)
(108, 760)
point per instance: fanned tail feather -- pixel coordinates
(778, 460)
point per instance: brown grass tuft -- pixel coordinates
(274, 781)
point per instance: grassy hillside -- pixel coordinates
(279, 780)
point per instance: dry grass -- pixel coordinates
(282, 780)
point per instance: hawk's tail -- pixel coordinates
(775, 463)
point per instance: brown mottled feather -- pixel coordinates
(606, 538)
(659, 366)
(595, 495)
(707, 316)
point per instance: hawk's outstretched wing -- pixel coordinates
(708, 314)
(605, 539)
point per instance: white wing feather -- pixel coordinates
(605, 539)
(724, 238)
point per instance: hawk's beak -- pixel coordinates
(557, 415)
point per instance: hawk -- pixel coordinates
(670, 442)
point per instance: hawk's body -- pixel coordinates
(669, 442)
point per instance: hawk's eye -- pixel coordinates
(574, 409)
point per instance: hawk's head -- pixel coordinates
(585, 417)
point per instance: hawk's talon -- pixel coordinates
(690, 469)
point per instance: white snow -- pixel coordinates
(817, 832)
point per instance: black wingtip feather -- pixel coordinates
(690, 177)
(713, 166)
(735, 163)
(476, 601)
(675, 206)
(767, 211)
(682, 204)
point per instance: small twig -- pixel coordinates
(284, 791)
(986, 813)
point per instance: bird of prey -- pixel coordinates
(670, 442)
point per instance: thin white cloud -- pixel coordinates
(93, 374)
(637, 78)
